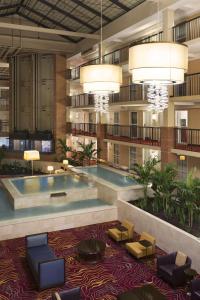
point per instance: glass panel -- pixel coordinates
(133, 118)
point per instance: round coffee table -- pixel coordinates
(91, 250)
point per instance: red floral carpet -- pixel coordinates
(103, 281)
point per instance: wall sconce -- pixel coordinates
(182, 157)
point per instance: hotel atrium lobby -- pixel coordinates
(99, 150)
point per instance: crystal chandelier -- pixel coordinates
(158, 64)
(157, 96)
(101, 80)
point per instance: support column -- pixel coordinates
(60, 100)
(101, 134)
(167, 130)
(167, 136)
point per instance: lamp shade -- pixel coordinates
(65, 162)
(50, 168)
(101, 79)
(182, 157)
(162, 62)
(31, 155)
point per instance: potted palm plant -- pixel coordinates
(88, 152)
(143, 175)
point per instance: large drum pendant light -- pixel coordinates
(101, 80)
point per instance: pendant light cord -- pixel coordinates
(101, 34)
(158, 10)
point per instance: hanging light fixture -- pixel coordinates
(101, 80)
(158, 64)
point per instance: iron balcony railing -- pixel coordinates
(4, 105)
(187, 30)
(134, 133)
(88, 129)
(187, 139)
(82, 100)
(118, 56)
(4, 126)
(190, 87)
(133, 92)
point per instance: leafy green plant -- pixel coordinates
(143, 175)
(2, 154)
(63, 148)
(164, 185)
(88, 151)
(188, 194)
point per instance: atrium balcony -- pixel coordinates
(134, 134)
(187, 139)
(86, 129)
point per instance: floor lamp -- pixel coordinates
(31, 155)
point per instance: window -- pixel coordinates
(133, 124)
(116, 124)
(116, 154)
(132, 157)
(4, 142)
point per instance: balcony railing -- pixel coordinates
(4, 127)
(133, 92)
(187, 139)
(4, 105)
(135, 134)
(118, 56)
(187, 30)
(82, 100)
(88, 129)
(190, 87)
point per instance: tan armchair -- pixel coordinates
(138, 250)
(118, 235)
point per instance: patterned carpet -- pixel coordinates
(103, 281)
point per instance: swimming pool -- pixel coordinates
(42, 184)
(110, 176)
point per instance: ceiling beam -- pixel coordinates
(36, 45)
(121, 5)
(27, 17)
(92, 10)
(48, 30)
(7, 14)
(66, 14)
(9, 6)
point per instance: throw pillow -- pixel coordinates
(180, 259)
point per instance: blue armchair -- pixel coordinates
(72, 294)
(195, 289)
(170, 272)
(48, 270)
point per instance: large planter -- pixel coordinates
(168, 237)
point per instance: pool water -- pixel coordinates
(7, 212)
(42, 184)
(110, 176)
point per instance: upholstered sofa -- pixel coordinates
(118, 235)
(48, 270)
(71, 294)
(195, 289)
(169, 271)
(138, 250)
